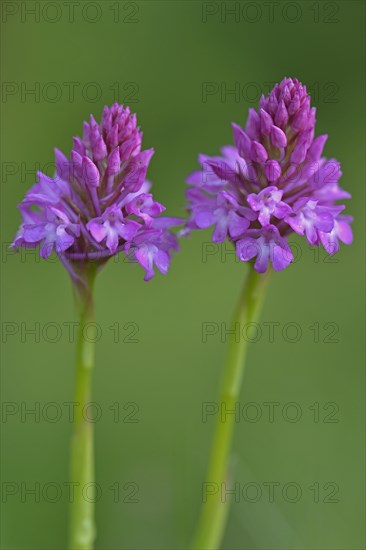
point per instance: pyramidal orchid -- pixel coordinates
(271, 183)
(97, 205)
(274, 182)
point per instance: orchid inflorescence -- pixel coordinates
(273, 182)
(99, 203)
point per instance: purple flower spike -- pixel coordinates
(272, 183)
(98, 203)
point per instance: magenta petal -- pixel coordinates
(324, 222)
(196, 178)
(266, 122)
(247, 248)
(128, 230)
(299, 153)
(300, 121)
(252, 127)
(97, 230)
(316, 148)
(91, 174)
(345, 232)
(144, 258)
(242, 141)
(114, 162)
(295, 223)
(261, 263)
(281, 117)
(137, 171)
(220, 232)
(64, 240)
(112, 241)
(311, 234)
(33, 233)
(99, 150)
(62, 164)
(204, 219)
(282, 209)
(278, 137)
(272, 170)
(79, 147)
(258, 152)
(46, 250)
(330, 242)
(281, 257)
(162, 261)
(237, 224)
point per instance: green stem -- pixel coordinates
(82, 528)
(215, 509)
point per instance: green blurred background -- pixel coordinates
(157, 56)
